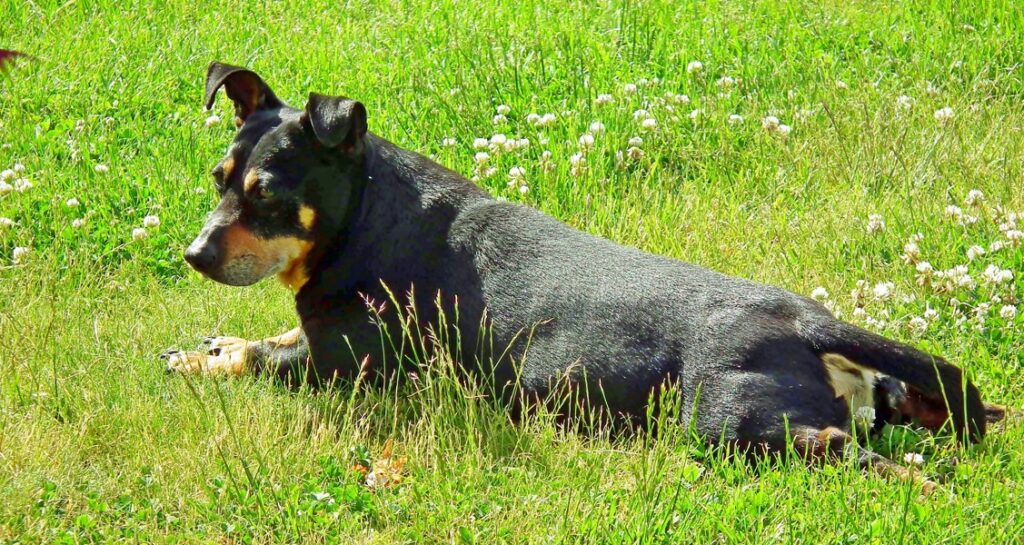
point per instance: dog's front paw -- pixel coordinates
(222, 355)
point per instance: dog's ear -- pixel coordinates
(336, 121)
(244, 88)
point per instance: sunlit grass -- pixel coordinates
(97, 444)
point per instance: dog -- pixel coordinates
(343, 217)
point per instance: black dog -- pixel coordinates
(338, 213)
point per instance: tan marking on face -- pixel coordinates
(306, 217)
(238, 122)
(283, 255)
(850, 381)
(250, 181)
(228, 166)
(295, 274)
(289, 338)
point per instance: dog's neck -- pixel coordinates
(398, 229)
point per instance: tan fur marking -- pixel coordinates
(238, 122)
(306, 217)
(850, 380)
(250, 181)
(286, 255)
(228, 166)
(289, 338)
(294, 274)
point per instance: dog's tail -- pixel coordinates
(936, 379)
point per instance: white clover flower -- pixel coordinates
(770, 123)
(784, 130)
(996, 276)
(139, 233)
(875, 224)
(547, 120)
(883, 291)
(725, 82)
(8, 174)
(694, 67)
(449, 142)
(78, 222)
(101, 169)
(911, 252)
(19, 254)
(533, 119)
(925, 268)
(636, 141)
(954, 212)
(151, 221)
(1008, 312)
(840, 84)
(212, 121)
(482, 157)
(523, 143)
(629, 88)
(974, 198)
(917, 325)
(649, 124)
(635, 153)
(586, 140)
(681, 99)
(974, 252)
(480, 143)
(71, 203)
(597, 127)
(996, 246)
(641, 114)
(931, 89)
(1015, 236)
(498, 140)
(604, 99)
(865, 414)
(524, 189)
(22, 185)
(860, 313)
(904, 103)
(5, 188)
(819, 294)
(913, 458)
(696, 113)
(6, 223)
(503, 109)
(516, 172)
(735, 119)
(944, 115)
(18, 167)
(499, 120)
(545, 155)
(577, 158)
(931, 314)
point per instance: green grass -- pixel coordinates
(98, 445)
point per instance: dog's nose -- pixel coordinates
(201, 256)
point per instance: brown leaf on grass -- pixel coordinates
(8, 55)
(384, 471)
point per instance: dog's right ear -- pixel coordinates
(244, 88)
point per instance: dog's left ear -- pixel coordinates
(244, 87)
(336, 121)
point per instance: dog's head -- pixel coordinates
(286, 183)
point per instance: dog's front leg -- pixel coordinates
(234, 356)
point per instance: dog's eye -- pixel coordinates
(260, 193)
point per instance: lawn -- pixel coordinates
(868, 153)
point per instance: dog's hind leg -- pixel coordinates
(278, 355)
(828, 444)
